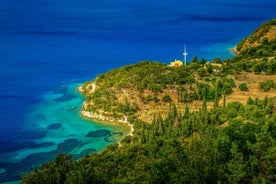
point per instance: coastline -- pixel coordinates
(99, 117)
(234, 50)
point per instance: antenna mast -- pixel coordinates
(185, 53)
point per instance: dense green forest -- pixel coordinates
(231, 144)
(217, 143)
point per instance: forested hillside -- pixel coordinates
(188, 128)
(145, 89)
(261, 43)
(231, 144)
(148, 88)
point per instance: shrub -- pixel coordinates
(243, 87)
(266, 88)
(166, 98)
(209, 68)
(267, 85)
(201, 72)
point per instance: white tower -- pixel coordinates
(185, 53)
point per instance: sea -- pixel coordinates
(48, 48)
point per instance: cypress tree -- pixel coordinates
(187, 113)
(224, 100)
(216, 104)
(143, 136)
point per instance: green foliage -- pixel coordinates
(209, 68)
(201, 72)
(260, 55)
(258, 35)
(265, 67)
(166, 98)
(203, 61)
(145, 75)
(127, 108)
(218, 60)
(233, 143)
(194, 60)
(52, 172)
(155, 98)
(189, 148)
(243, 87)
(267, 85)
(261, 51)
(240, 44)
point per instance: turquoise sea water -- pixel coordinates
(58, 128)
(58, 119)
(49, 47)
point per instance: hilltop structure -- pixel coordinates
(176, 63)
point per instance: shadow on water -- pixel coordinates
(54, 126)
(12, 171)
(66, 95)
(107, 138)
(23, 141)
(98, 133)
(35, 145)
(104, 133)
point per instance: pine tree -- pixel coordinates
(160, 128)
(224, 100)
(236, 166)
(216, 100)
(187, 113)
(143, 136)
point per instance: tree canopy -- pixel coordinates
(228, 142)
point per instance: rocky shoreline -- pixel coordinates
(100, 116)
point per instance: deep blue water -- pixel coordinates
(47, 47)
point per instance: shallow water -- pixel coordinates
(54, 125)
(48, 47)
